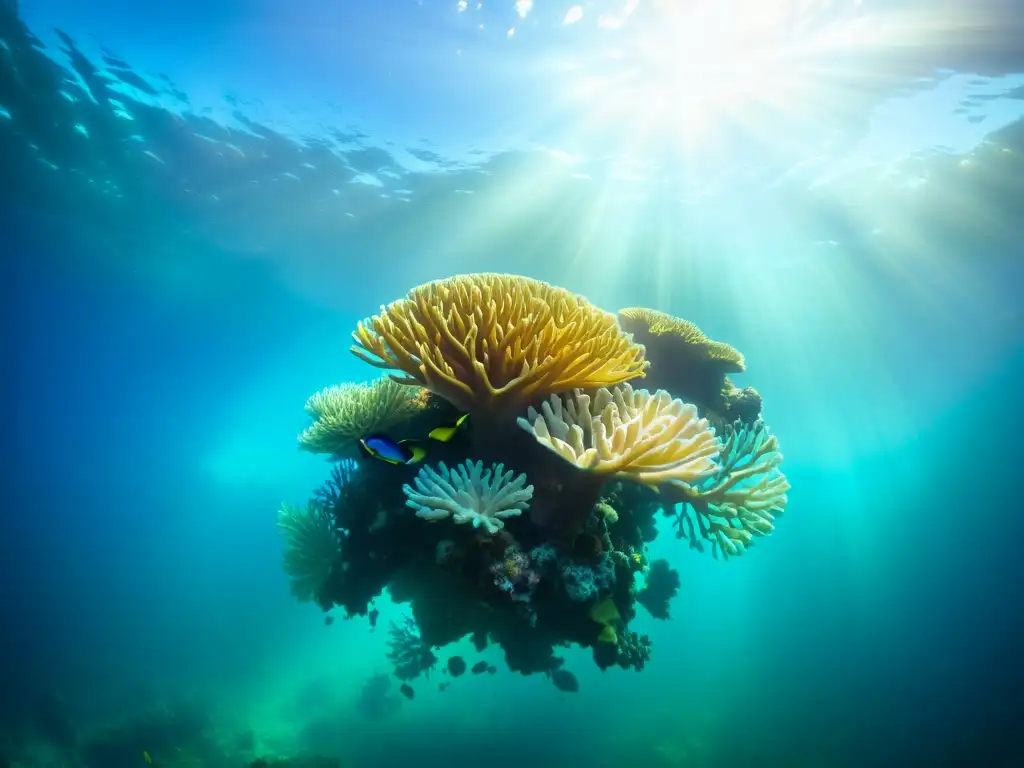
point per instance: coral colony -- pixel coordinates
(504, 478)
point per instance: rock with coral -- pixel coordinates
(527, 527)
(683, 360)
(661, 584)
(742, 405)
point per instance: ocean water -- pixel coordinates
(199, 203)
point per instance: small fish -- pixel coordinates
(456, 666)
(390, 451)
(446, 432)
(328, 620)
(146, 757)
(407, 691)
(491, 669)
(374, 613)
(479, 668)
(565, 681)
(443, 687)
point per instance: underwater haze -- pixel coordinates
(503, 382)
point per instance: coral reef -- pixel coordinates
(528, 524)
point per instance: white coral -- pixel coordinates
(469, 494)
(631, 433)
(311, 547)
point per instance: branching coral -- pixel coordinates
(491, 343)
(470, 494)
(346, 412)
(683, 360)
(630, 433)
(634, 651)
(311, 547)
(335, 493)
(742, 500)
(407, 651)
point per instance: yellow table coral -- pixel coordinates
(683, 359)
(491, 343)
(685, 333)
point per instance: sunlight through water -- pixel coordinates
(549, 382)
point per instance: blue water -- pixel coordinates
(199, 203)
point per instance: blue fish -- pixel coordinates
(383, 448)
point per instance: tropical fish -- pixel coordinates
(456, 666)
(479, 668)
(390, 451)
(565, 681)
(146, 757)
(328, 620)
(374, 614)
(446, 432)
(407, 691)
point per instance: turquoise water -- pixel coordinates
(200, 205)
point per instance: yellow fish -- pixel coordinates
(146, 757)
(446, 432)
